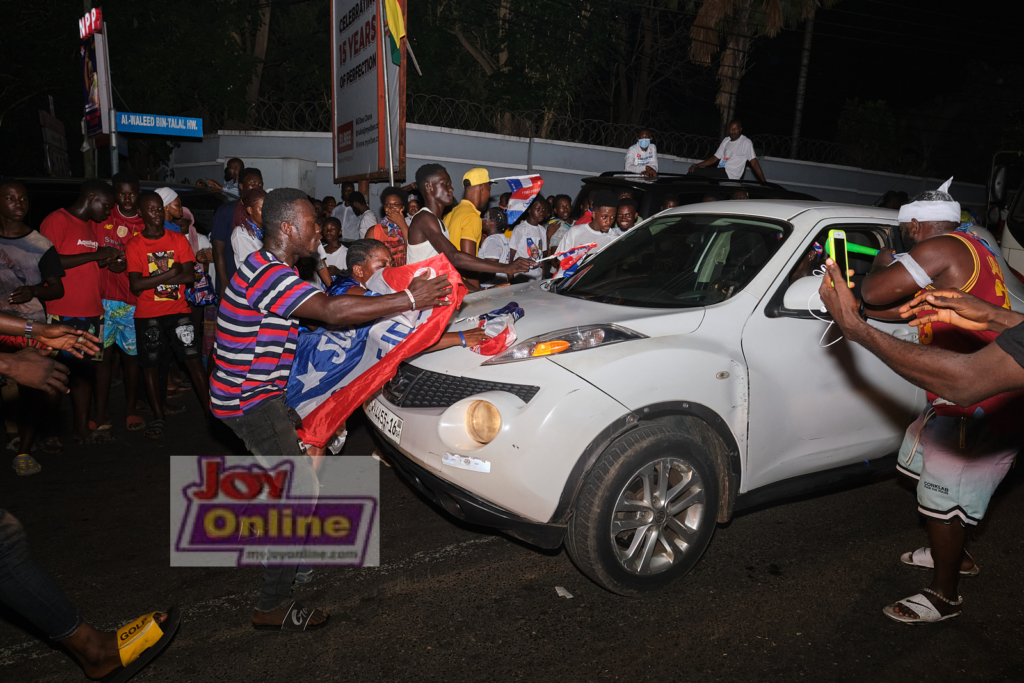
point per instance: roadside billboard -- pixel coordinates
(95, 73)
(359, 113)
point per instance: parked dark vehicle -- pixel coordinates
(690, 189)
(46, 195)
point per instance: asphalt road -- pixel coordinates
(790, 592)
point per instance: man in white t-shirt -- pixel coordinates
(730, 161)
(495, 246)
(643, 156)
(600, 230)
(530, 238)
(367, 218)
(346, 215)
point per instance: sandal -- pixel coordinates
(155, 430)
(135, 423)
(923, 607)
(174, 410)
(93, 427)
(25, 465)
(296, 618)
(142, 641)
(52, 446)
(922, 559)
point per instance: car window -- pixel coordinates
(678, 261)
(871, 236)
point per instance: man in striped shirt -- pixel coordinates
(257, 331)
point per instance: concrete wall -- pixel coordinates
(303, 160)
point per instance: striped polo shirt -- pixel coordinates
(256, 334)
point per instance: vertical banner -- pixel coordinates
(91, 88)
(95, 74)
(358, 115)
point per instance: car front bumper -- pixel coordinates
(524, 470)
(469, 508)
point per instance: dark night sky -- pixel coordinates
(906, 53)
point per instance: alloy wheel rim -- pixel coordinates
(658, 516)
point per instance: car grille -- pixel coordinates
(414, 387)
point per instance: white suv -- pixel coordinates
(677, 377)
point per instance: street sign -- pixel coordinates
(156, 124)
(359, 109)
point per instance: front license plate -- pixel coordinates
(386, 421)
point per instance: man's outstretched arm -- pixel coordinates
(961, 378)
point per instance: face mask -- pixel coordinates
(644, 143)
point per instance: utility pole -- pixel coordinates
(801, 87)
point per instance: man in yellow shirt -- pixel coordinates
(465, 229)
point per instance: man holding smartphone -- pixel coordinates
(958, 454)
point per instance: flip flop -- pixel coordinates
(174, 410)
(296, 618)
(25, 465)
(155, 430)
(922, 559)
(135, 423)
(920, 605)
(142, 641)
(93, 427)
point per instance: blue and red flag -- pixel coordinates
(525, 189)
(569, 259)
(336, 369)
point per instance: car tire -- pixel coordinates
(658, 487)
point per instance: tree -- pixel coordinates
(738, 23)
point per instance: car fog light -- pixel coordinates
(550, 347)
(483, 421)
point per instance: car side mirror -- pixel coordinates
(999, 185)
(802, 295)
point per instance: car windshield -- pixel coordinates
(678, 261)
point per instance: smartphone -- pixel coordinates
(837, 250)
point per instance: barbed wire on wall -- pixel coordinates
(433, 110)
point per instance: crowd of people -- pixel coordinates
(123, 284)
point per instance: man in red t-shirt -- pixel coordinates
(73, 234)
(160, 265)
(123, 224)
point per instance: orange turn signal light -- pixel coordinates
(550, 347)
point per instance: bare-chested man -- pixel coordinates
(428, 235)
(958, 454)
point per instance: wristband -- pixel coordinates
(28, 329)
(863, 313)
(463, 338)
(412, 301)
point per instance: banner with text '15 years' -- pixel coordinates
(358, 105)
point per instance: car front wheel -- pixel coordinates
(646, 512)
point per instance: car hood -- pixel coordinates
(545, 311)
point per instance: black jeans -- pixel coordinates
(268, 430)
(28, 589)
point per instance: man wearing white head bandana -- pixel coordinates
(958, 454)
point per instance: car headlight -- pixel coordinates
(565, 341)
(483, 421)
